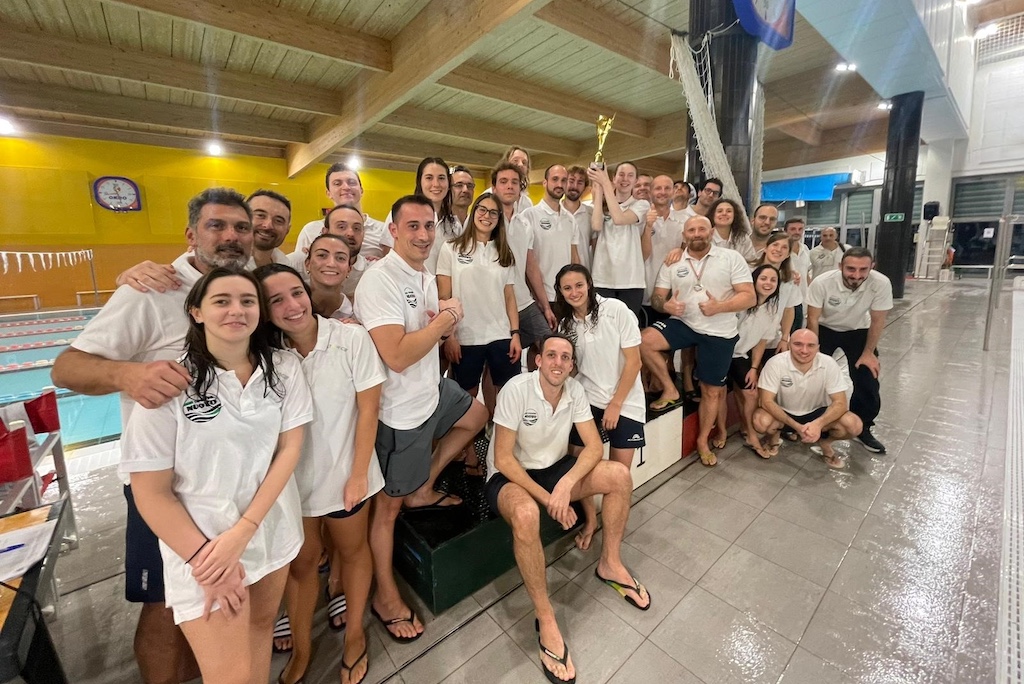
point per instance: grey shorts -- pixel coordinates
(404, 455)
(532, 326)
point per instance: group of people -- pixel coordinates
(268, 398)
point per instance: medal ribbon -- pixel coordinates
(698, 274)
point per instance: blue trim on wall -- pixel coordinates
(809, 189)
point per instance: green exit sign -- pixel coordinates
(894, 218)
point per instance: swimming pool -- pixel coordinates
(28, 345)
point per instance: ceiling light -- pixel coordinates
(846, 66)
(986, 31)
(214, 149)
(7, 127)
(885, 105)
(354, 162)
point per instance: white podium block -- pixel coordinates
(664, 437)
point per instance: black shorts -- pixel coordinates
(628, 434)
(342, 514)
(714, 354)
(649, 316)
(470, 369)
(143, 564)
(632, 297)
(738, 369)
(808, 417)
(545, 477)
(404, 455)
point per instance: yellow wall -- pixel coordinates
(46, 184)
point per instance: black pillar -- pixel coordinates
(895, 241)
(733, 70)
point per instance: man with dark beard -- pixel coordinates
(575, 185)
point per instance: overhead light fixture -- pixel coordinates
(214, 149)
(354, 162)
(885, 105)
(846, 66)
(986, 31)
(7, 127)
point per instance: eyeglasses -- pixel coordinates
(713, 193)
(464, 186)
(493, 213)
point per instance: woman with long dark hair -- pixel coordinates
(433, 181)
(477, 268)
(776, 253)
(338, 472)
(211, 471)
(607, 339)
(327, 265)
(730, 228)
(757, 325)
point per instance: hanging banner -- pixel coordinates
(770, 20)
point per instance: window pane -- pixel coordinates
(979, 199)
(858, 207)
(823, 213)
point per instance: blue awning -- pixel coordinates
(811, 188)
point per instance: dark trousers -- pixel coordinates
(798, 318)
(866, 402)
(632, 298)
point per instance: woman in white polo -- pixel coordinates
(327, 266)
(211, 471)
(338, 472)
(477, 269)
(730, 228)
(607, 339)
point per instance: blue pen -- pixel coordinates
(11, 548)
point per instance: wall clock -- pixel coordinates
(117, 194)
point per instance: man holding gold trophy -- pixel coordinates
(619, 220)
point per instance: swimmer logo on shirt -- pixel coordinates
(835, 300)
(545, 224)
(530, 417)
(786, 381)
(410, 297)
(201, 409)
(465, 258)
(683, 272)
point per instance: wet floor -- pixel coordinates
(884, 572)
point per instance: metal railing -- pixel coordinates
(1002, 263)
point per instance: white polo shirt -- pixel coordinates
(666, 235)
(394, 293)
(618, 258)
(719, 270)
(520, 239)
(600, 360)
(763, 324)
(824, 260)
(843, 309)
(355, 274)
(743, 245)
(141, 326)
(800, 393)
(478, 281)
(373, 232)
(343, 362)
(581, 217)
(801, 263)
(542, 434)
(554, 234)
(220, 448)
(789, 296)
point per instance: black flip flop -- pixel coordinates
(394, 621)
(623, 588)
(352, 666)
(551, 676)
(436, 506)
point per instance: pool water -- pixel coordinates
(28, 345)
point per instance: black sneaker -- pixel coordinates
(870, 443)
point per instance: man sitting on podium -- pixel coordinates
(528, 468)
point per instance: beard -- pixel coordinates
(227, 255)
(573, 195)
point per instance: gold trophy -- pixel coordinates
(604, 126)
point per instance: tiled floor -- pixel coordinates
(787, 571)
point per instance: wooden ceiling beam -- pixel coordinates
(283, 27)
(998, 9)
(47, 98)
(650, 48)
(475, 129)
(48, 50)
(796, 98)
(837, 143)
(503, 88)
(404, 148)
(805, 131)
(468, 128)
(443, 35)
